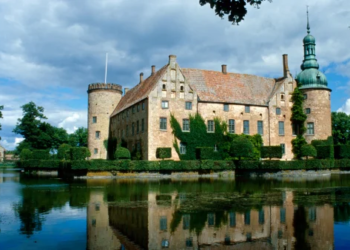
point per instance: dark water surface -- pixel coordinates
(50, 213)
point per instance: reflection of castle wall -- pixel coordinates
(100, 235)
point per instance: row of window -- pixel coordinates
(136, 108)
(165, 105)
(134, 126)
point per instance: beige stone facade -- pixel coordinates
(141, 118)
(2, 153)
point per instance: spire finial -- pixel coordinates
(308, 25)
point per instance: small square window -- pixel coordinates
(307, 111)
(97, 135)
(94, 119)
(163, 223)
(165, 243)
(165, 104)
(226, 107)
(278, 111)
(188, 105)
(305, 96)
(189, 242)
(164, 87)
(247, 109)
(95, 151)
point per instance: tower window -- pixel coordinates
(97, 134)
(181, 88)
(94, 119)
(307, 111)
(282, 97)
(164, 87)
(260, 128)
(182, 148)
(305, 96)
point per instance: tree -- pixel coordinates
(242, 147)
(308, 150)
(1, 108)
(236, 10)
(298, 119)
(79, 137)
(341, 128)
(122, 153)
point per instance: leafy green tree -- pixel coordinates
(341, 128)
(298, 119)
(242, 147)
(235, 10)
(308, 150)
(1, 108)
(63, 152)
(79, 137)
(122, 153)
(26, 154)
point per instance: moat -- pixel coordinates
(245, 213)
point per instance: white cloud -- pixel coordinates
(72, 120)
(345, 108)
(11, 145)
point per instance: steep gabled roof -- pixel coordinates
(139, 92)
(214, 86)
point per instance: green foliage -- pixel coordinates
(198, 135)
(241, 147)
(122, 153)
(271, 152)
(298, 119)
(206, 153)
(79, 138)
(340, 128)
(40, 164)
(40, 155)
(1, 108)
(308, 150)
(342, 164)
(324, 151)
(342, 151)
(111, 146)
(235, 10)
(162, 153)
(26, 154)
(79, 153)
(63, 152)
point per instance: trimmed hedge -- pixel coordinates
(308, 150)
(79, 153)
(324, 152)
(63, 152)
(271, 152)
(40, 155)
(26, 154)
(207, 153)
(342, 151)
(122, 153)
(162, 153)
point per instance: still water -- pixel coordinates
(50, 213)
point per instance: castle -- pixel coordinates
(249, 104)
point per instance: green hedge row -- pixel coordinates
(39, 164)
(316, 164)
(207, 153)
(162, 153)
(271, 152)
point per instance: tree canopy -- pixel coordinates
(341, 128)
(234, 9)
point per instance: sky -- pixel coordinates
(50, 51)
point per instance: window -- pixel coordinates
(211, 219)
(95, 151)
(294, 129)
(247, 109)
(185, 125)
(127, 130)
(165, 104)
(210, 126)
(181, 88)
(247, 218)
(278, 111)
(165, 243)
(232, 219)
(127, 113)
(182, 148)
(260, 128)
(282, 215)
(281, 128)
(142, 125)
(226, 107)
(307, 111)
(188, 105)
(312, 214)
(305, 96)
(138, 107)
(137, 127)
(94, 119)
(189, 242)
(246, 127)
(231, 126)
(227, 240)
(163, 223)
(97, 135)
(143, 106)
(282, 97)
(164, 87)
(261, 217)
(163, 123)
(186, 221)
(283, 146)
(310, 128)
(133, 128)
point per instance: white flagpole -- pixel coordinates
(106, 67)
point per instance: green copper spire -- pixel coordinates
(310, 77)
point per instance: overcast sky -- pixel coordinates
(51, 50)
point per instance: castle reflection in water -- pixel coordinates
(156, 221)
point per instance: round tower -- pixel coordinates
(102, 100)
(317, 96)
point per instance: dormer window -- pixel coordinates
(164, 87)
(282, 97)
(181, 88)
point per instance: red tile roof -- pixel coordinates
(139, 92)
(214, 86)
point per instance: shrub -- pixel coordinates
(342, 151)
(324, 151)
(217, 165)
(40, 155)
(63, 152)
(122, 153)
(241, 147)
(79, 153)
(342, 164)
(271, 152)
(207, 153)
(308, 150)
(163, 153)
(248, 165)
(26, 154)
(169, 165)
(40, 164)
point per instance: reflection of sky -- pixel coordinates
(341, 236)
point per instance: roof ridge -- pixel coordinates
(234, 73)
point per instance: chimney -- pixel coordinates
(172, 61)
(224, 69)
(153, 70)
(141, 77)
(126, 90)
(285, 66)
